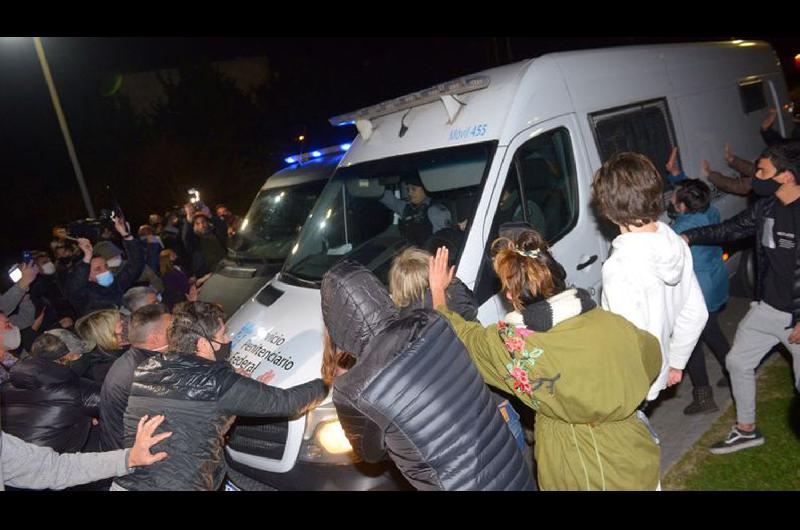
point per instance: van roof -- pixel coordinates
(320, 168)
(561, 82)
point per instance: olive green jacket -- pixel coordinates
(585, 378)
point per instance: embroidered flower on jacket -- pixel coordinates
(515, 344)
(522, 360)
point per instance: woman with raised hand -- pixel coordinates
(585, 371)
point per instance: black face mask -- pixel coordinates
(765, 188)
(223, 352)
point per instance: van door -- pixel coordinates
(545, 179)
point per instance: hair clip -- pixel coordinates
(528, 253)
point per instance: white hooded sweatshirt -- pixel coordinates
(649, 279)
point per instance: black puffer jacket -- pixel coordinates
(751, 222)
(414, 393)
(47, 404)
(200, 399)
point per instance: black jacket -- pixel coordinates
(87, 296)
(747, 224)
(47, 404)
(114, 397)
(200, 399)
(414, 393)
(199, 261)
(99, 362)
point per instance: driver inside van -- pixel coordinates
(420, 216)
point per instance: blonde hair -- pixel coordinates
(408, 276)
(100, 328)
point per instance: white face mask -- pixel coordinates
(116, 261)
(11, 338)
(48, 268)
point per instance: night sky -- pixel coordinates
(332, 76)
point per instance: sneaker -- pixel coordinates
(737, 440)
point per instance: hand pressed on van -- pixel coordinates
(672, 163)
(440, 276)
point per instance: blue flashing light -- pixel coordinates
(316, 154)
(289, 160)
(344, 147)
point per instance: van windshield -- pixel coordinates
(274, 221)
(370, 211)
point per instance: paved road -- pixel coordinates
(679, 432)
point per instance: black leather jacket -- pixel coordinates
(47, 404)
(200, 399)
(747, 224)
(414, 393)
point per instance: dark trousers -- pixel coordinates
(712, 336)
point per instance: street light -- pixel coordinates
(63, 123)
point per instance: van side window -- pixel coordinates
(752, 96)
(642, 128)
(547, 172)
(540, 188)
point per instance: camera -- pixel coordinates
(90, 229)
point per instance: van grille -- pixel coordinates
(259, 436)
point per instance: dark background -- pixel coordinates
(208, 135)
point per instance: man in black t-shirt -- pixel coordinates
(774, 316)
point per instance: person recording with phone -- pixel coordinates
(92, 286)
(16, 302)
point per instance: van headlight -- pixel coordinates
(324, 441)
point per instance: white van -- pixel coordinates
(270, 228)
(519, 142)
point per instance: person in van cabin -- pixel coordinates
(420, 216)
(691, 207)
(649, 277)
(583, 370)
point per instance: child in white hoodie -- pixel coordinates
(649, 278)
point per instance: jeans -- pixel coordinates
(512, 420)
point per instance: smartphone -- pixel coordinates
(27, 257)
(194, 196)
(15, 274)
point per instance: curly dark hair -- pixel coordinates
(192, 321)
(628, 190)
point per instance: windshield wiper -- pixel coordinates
(300, 281)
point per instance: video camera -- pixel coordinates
(92, 229)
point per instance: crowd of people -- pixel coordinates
(107, 356)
